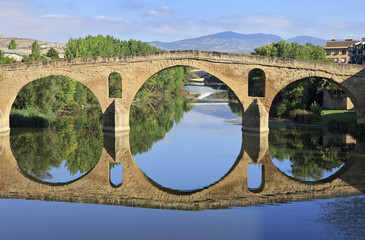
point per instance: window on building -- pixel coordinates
(336, 52)
(336, 60)
(328, 52)
(344, 51)
(343, 60)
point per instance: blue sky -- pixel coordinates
(170, 20)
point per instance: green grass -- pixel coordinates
(345, 116)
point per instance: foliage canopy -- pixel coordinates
(104, 46)
(12, 44)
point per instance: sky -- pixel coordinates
(172, 20)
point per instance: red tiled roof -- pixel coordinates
(339, 44)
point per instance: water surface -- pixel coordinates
(184, 146)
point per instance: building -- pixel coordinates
(338, 50)
(16, 54)
(357, 53)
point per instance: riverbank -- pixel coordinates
(33, 118)
(30, 118)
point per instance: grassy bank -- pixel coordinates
(344, 116)
(30, 118)
(344, 121)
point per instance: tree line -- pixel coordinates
(91, 46)
(292, 50)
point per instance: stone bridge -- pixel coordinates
(232, 69)
(138, 190)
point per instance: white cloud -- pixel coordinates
(163, 11)
(110, 19)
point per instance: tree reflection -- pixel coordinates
(77, 139)
(149, 124)
(309, 156)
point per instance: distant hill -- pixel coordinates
(25, 44)
(231, 42)
(307, 39)
(221, 42)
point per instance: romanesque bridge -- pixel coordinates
(232, 69)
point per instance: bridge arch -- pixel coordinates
(30, 78)
(58, 78)
(131, 124)
(331, 79)
(201, 65)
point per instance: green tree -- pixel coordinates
(12, 44)
(52, 53)
(298, 95)
(104, 46)
(36, 51)
(35, 55)
(292, 50)
(4, 59)
(54, 95)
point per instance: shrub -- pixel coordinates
(28, 118)
(303, 116)
(316, 108)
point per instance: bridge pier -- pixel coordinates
(4, 124)
(116, 144)
(360, 116)
(255, 118)
(116, 118)
(255, 145)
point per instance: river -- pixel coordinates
(187, 147)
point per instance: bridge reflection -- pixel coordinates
(138, 190)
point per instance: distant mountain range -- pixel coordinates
(232, 42)
(221, 42)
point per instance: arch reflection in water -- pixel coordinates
(139, 191)
(254, 176)
(64, 152)
(183, 145)
(116, 174)
(309, 155)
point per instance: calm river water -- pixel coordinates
(186, 147)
